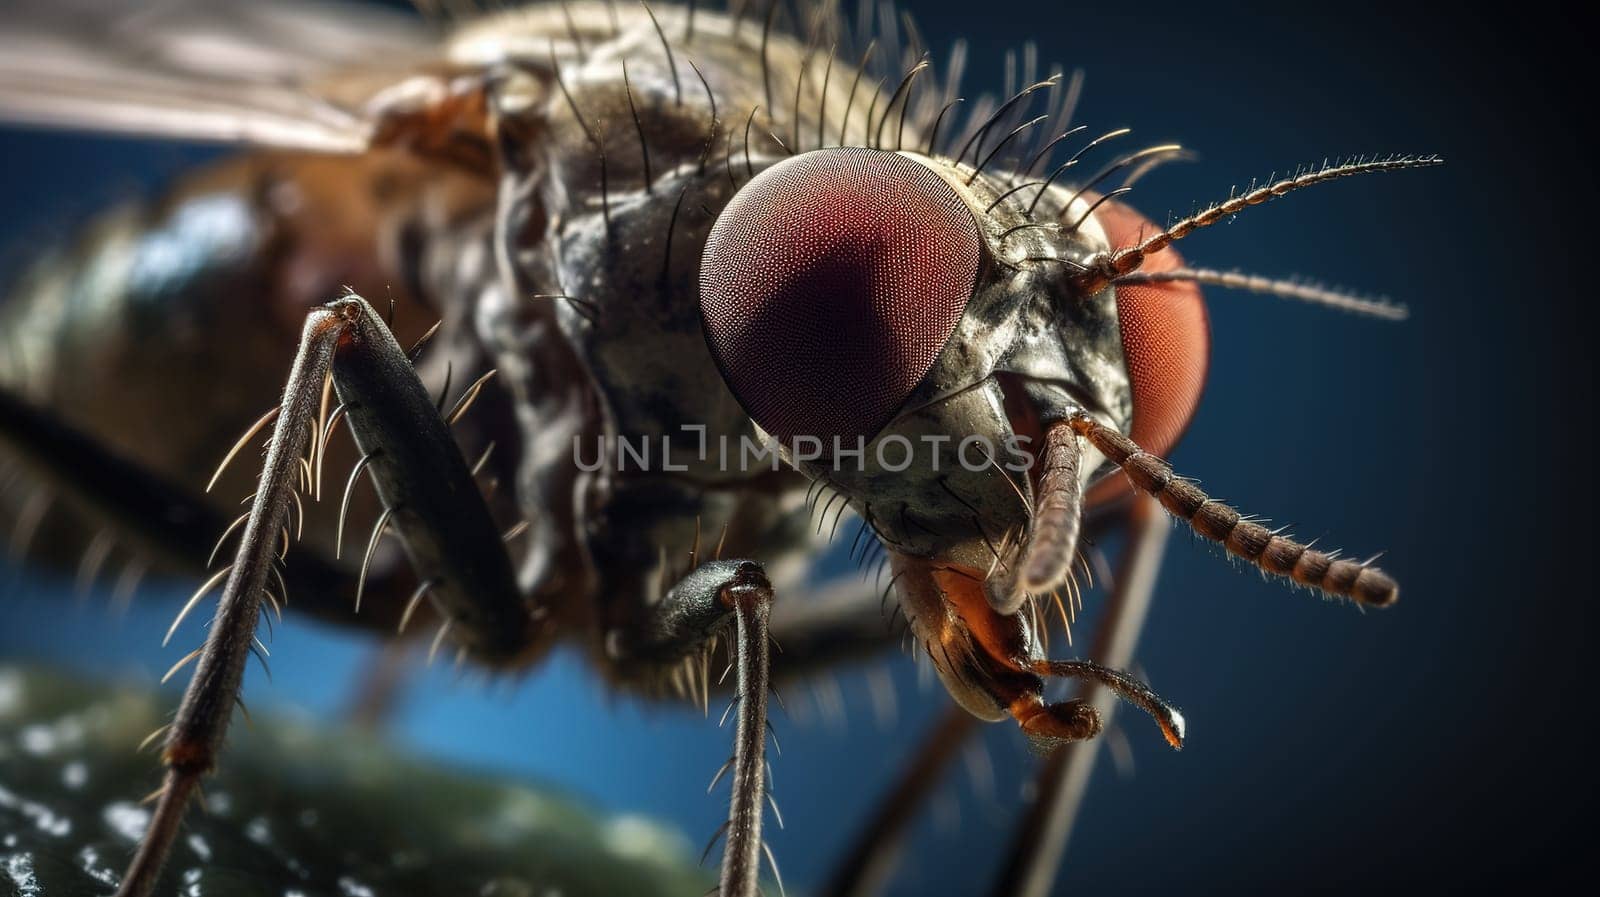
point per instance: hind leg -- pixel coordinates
(429, 499)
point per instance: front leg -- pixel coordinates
(1033, 862)
(683, 625)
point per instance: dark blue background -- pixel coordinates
(1438, 746)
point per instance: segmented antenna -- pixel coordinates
(1104, 267)
(1245, 539)
(1286, 289)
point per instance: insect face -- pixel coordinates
(907, 332)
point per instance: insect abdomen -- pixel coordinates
(163, 332)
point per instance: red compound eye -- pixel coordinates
(829, 285)
(1165, 338)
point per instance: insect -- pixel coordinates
(732, 274)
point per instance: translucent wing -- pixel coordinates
(290, 75)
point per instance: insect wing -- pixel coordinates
(286, 75)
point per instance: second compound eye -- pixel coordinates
(830, 284)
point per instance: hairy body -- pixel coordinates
(600, 203)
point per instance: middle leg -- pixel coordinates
(685, 625)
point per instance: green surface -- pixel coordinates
(295, 811)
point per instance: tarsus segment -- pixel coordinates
(751, 598)
(197, 731)
(686, 622)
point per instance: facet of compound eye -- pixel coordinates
(830, 284)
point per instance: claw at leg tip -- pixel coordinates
(1175, 728)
